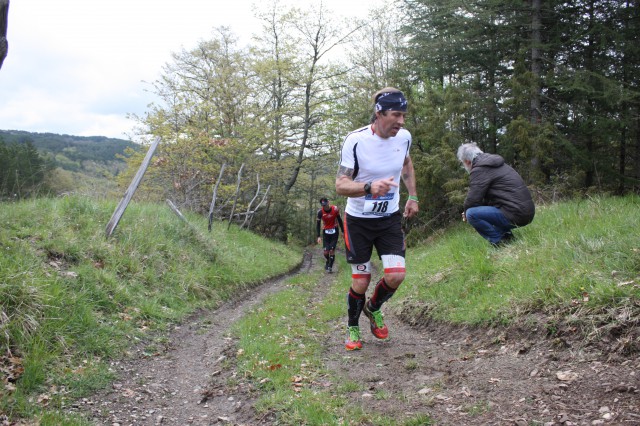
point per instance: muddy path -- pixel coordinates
(454, 375)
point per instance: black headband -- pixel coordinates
(391, 101)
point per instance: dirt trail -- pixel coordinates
(457, 376)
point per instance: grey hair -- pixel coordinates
(468, 151)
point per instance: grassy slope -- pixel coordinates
(70, 298)
(577, 256)
(576, 260)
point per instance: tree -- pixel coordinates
(296, 82)
(205, 94)
(22, 170)
(594, 94)
(562, 66)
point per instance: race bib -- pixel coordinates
(330, 231)
(377, 206)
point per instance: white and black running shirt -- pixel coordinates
(373, 158)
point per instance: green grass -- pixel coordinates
(579, 255)
(71, 299)
(282, 344)
(282, 347)
(561, 264)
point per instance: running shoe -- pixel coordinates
(377, 323)
(353, 342)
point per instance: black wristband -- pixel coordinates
(367, 188)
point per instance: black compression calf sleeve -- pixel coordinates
(355, 303)
(381, 294)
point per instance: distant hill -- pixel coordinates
(82, 165)
(75, 153)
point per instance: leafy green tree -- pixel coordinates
(594, 91)
(295, 86)
(204, 94)
(22, 170)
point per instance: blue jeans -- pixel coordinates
(489, 222)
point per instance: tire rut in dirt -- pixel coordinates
(193, 379)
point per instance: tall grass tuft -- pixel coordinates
(70, 299)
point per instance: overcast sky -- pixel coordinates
(78, 67)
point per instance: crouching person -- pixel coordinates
(498, 199)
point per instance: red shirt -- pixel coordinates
(330, 218)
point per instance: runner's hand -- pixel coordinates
(319, 240)
(411, 209)
(382, 186)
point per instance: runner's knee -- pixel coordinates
(394, 269)
(361, 271)
(394, 280)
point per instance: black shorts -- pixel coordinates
(329, 241)
(383, 233)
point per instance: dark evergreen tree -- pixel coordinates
(22, 170)
(552, 86)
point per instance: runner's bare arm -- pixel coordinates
(345, 171)
(345, 184)
(408, 177)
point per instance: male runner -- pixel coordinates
(328, 219)
(373, 160)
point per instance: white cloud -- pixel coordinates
(80, 66)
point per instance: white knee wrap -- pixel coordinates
(393, 263)
(361, 268)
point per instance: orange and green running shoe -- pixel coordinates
(377, 322)
(353, 342)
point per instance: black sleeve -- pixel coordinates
(340, 223)
(318, 224)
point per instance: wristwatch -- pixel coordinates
(367, 188)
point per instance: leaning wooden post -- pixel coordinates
(261, 201)
(215, 195)
(117, 214)
(4, 18)
(210, 248)
(176, 211)
(235, 201)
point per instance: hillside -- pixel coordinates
(275, 356)
(545, 330)
(89, 154)
(69, 297)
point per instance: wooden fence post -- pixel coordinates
(235, 201)
(251, 202)
(176, 211)
(258, 206)
(215, 195)
(4, 21)
(117, 214)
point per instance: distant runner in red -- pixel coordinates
(328, 220)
